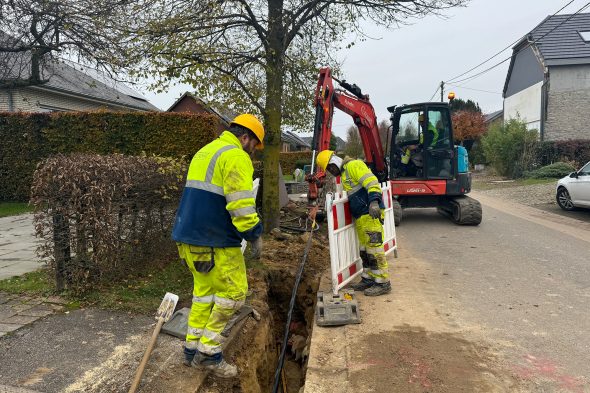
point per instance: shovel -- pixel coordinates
(164, 313)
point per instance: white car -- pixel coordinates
(574, 190)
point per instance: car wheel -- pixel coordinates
(564, 200)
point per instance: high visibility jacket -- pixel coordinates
(361, 186)
(434, 132)
(218, 207)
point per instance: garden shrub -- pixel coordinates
(556, 170)
(573, 150)
(103, 217)
(510, 148)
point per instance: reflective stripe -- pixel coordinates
(228, 303)
(375, 250)
(348, 179)
(380, 280)
(213, 336)
(373, 183)
(211, 167)
(243, 211)
(203, 299)
(365, 177)
(201, 185)
(208, 349)
(236, 196)
(377, 272)
(191, 344)
(194, 331)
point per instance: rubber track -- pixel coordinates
(470, 211)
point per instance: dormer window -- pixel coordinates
(585, 35)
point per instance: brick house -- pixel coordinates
(189, 102)
(548, 81)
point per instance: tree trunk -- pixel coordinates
(273, 115)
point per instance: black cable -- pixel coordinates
(277, 381)
(436, 91)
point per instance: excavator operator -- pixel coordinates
(413, 158)
(366, 206)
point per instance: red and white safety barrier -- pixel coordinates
(345, 258)
(389, 238)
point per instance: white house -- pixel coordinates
(548, 81)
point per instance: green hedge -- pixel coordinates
(573, 150)
(28, 138)
(289, 161)
(553, 171)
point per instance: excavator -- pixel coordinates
(422, 163)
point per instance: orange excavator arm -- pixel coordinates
(349, 99)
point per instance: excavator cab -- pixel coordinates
(422, 142)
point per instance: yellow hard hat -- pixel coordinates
(323, 159)
(253, 124)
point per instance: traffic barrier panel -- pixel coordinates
(345, 260)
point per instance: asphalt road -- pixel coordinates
(520, 281)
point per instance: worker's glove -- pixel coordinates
(374, 209)
(256, 248)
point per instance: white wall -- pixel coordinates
(525, 104)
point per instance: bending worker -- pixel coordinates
(216, 212)
(366, 206)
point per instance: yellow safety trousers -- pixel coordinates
(216, 294)
(370, 234)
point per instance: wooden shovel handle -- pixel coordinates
(146, 356)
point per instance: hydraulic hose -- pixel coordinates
(277, 380)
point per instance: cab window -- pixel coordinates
(438, 131)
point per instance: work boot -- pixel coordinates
(216, 364)
(189, 355)
(378, 289)
(222, 369)
(363, 284)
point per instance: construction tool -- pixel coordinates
(162, 315)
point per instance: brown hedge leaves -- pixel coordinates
(103, 216)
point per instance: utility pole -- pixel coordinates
(442, 91)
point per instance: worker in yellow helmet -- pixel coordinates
(217, 210)
(366, 206)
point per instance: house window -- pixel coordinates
(585, 35)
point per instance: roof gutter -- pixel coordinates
(88, 98)
(544, 89)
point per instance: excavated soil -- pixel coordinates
(271, 281)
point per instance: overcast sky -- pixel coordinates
(406, 65)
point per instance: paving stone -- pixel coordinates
(21, 307)
(56, 307)
(9, 327)
(37, 311)
(5, 297)
(55, 300)
(6, 311)
(34, 302)
(19, 319)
